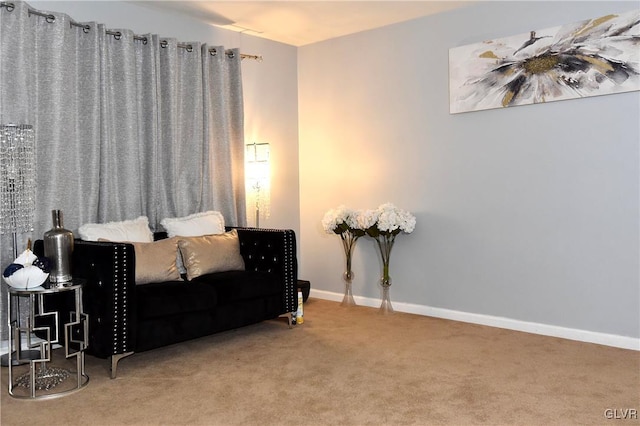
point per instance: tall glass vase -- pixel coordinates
(348, 242)
(385, 306)
(385, 244)
(348, 299)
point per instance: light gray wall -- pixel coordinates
(529, 213)
(270, 86)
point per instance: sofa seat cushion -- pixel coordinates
(234, 286)
(174, 297)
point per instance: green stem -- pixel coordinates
(348, 243)
(385, 244)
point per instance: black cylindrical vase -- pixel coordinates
(58, 247)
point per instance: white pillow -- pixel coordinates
(135, 230)
(195, 225)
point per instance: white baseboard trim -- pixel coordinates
(613, 340)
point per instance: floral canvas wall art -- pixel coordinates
(593, 57)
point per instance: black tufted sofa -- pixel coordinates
(125, 318)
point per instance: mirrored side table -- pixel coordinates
(44, 376)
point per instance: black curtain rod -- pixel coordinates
(117, 34)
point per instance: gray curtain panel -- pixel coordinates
(125, 125)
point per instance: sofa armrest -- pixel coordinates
(109, 294)
(274, 251)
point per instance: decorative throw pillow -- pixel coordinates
(156, 262)
(135, 230)
(194, 225)
(211, 253)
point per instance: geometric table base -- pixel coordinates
(45, 329)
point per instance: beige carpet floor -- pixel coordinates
(352, 366)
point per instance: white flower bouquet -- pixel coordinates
(345, 222)
(342, 220)
(382, 224)
(387, 219)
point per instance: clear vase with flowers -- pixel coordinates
(344, 222)
(383, 225)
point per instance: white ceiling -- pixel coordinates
(303, 22)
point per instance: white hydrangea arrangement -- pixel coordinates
(382, 224)
(346, 223)
(387, 219)
(342, 220)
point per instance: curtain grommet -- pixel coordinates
(9, 6)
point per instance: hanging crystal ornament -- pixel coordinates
(17, 180)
